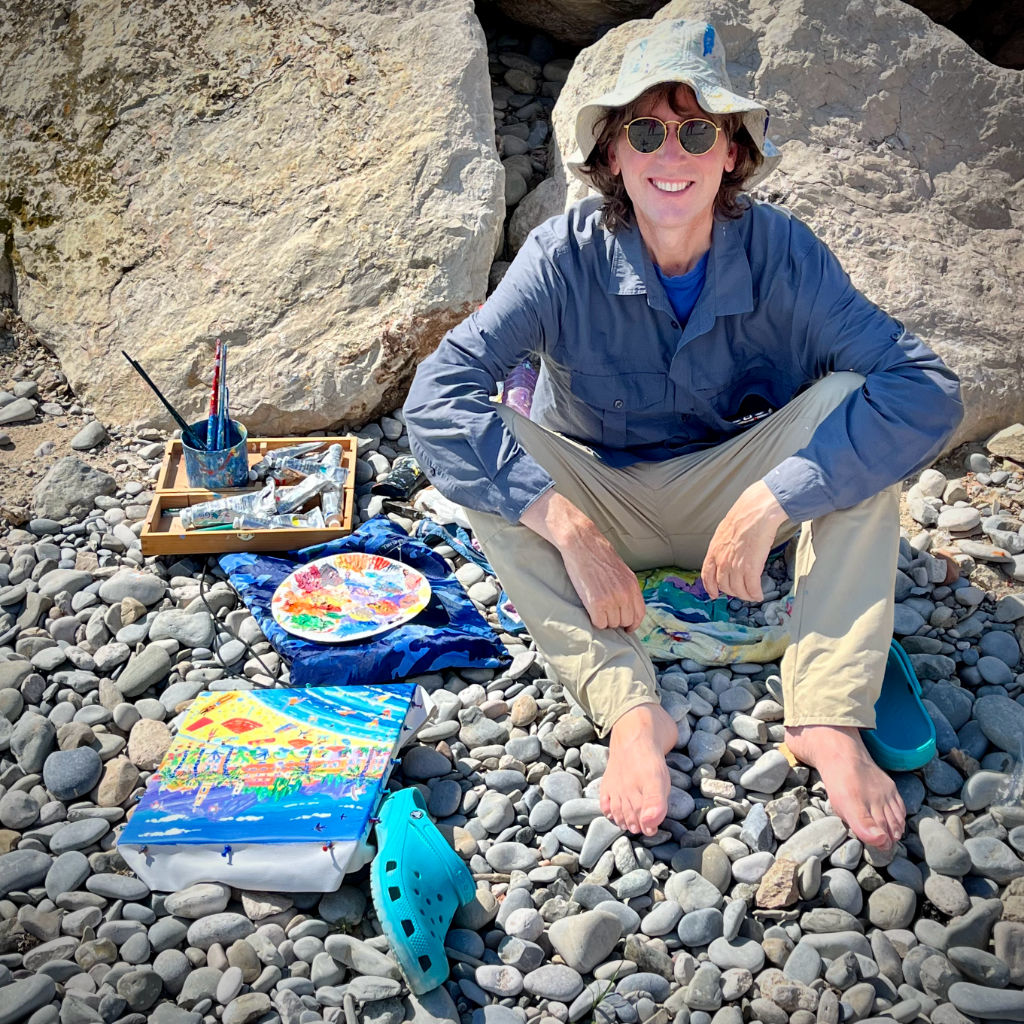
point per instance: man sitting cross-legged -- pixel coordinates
(710, 380)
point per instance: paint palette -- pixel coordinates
(348, 597)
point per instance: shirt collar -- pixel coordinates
(728, 288)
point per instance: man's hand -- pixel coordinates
(740, 545)
(607, 586)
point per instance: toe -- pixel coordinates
(654, 807)
(631, 813)
(616, 810)
(870, 830)
(896, 821)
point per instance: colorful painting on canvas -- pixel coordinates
(349, 596)
(274, 766)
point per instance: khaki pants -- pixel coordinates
(664, 513)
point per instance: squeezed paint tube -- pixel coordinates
(269, 461)
(312, 520)
(291, 499)
(331, 499)
(310, 467)
(222, 511)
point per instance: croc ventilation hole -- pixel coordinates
(390, 866)
(408, 927)
(424, 963)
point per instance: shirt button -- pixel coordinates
(617, 403)
(675, 326)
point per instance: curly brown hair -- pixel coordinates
(617, 210)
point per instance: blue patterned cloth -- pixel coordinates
(460, 540)
(448, 633)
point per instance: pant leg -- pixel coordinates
(607, 671)
(845, 572)
(665, 514)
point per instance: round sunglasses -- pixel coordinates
(696, 135)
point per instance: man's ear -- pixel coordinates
(731, 157)
(613, 158)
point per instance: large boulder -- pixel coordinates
(901, 149)
(315, 182)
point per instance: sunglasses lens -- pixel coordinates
(698, 136)
(646, 134)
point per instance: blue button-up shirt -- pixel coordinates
(621, 374)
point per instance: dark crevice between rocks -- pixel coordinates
(526, 68)
(993, 28)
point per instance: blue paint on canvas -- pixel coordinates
(274, 766)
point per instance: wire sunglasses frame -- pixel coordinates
(696, 144)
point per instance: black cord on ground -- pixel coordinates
(216, 646)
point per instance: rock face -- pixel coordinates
(575, 21)
(868, 106)
(315, 182)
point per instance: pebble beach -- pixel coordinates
(753, 903)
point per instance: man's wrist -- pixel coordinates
(557, 520)
(771, 508)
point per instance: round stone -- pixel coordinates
(554, 981)
(78, 835)
(743, 953)
(117, 887)
(700, 927)
(511, 857)
(141, 586)
(18, 810)
(892, 906)
(69, 774)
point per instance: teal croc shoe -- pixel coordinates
(903, 738)
(417, 882)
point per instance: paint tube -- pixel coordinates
(269, 461)
(291, 499)
(310, 467)
(332, 497)
(222, 511)
(313, 520)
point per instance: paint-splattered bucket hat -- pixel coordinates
(688, 52)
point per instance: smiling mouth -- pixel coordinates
(670, 186)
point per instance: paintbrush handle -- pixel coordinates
(222, 423)
(211, 419)
(186, 431)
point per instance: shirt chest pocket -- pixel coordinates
(748, 390)
(619, 398)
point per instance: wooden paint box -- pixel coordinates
(163, 534)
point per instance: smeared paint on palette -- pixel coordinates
(348, 597)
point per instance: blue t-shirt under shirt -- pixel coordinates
(683, 291)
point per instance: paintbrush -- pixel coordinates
(211, 420)
(187, 434)
(222, 419)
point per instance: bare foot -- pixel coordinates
(860, 792)
(634, 790)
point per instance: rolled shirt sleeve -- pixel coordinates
(891, 427)
(455, 431)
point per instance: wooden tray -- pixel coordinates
(163, 534)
